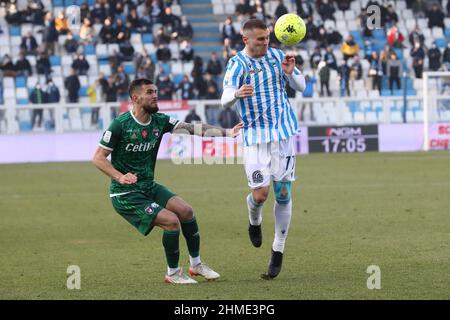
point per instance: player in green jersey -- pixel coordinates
(133, 140)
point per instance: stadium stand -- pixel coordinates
(120, 40)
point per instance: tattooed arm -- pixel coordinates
(203, 129)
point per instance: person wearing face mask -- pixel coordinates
(418, 55)
(37, 96)
(434, 58)
(446, 55)
(81, 65)
(185, 31)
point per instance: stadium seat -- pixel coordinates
(147, 38)
(21, 82)
(55, 60)
(129, 68)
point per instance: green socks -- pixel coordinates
(170, 242)
(190, 232)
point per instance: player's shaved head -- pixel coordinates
(253, 24)
(137, 84)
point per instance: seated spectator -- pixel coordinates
(13, 16)
(187, 93)
(186, 51)
(134, 20)
(107, 32)
(321, 37)
(80, 65)
(98, 14)
(304, 9)
(163, 53)
(243, 8)
(156, 11)
(122, 32)
(145, 68)
(61, 23)
(170, 22)
(330, 58)
(185, 31)
(343, 5)
(228, 118)
(280, 9)
(349, 48)
(311, 29)
(166, 88)
(70, 44)
(327, 10)
(35, 10)
(395, 38)
(145, 23)
(214, 66)
(126, 51)
(389, 17)
(435, 17)
(434, 58)
(87, 34)
(23, 66)
(161, 37)
(419, 7)
(8, 67)
(333, 36)
(29, 43)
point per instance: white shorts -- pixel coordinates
(274, 160)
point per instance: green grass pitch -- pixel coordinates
(350, 211)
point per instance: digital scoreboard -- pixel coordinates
(338, 139)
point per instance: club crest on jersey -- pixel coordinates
(134, 136)
(257, 177)
(156, 132)
(144, 133)
(148, 210)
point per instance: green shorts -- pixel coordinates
(141, 208)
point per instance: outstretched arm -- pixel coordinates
(203, 129)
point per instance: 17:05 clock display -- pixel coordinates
(343, 139)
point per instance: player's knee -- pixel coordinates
(172, 223)
(187, 213)
(282, 191)
(260, 195)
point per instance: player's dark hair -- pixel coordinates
(254, 24)
(137, 83)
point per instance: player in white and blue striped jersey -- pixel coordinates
(255, 81)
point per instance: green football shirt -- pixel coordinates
(134, 147)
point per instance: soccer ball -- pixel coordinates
(290, 29)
